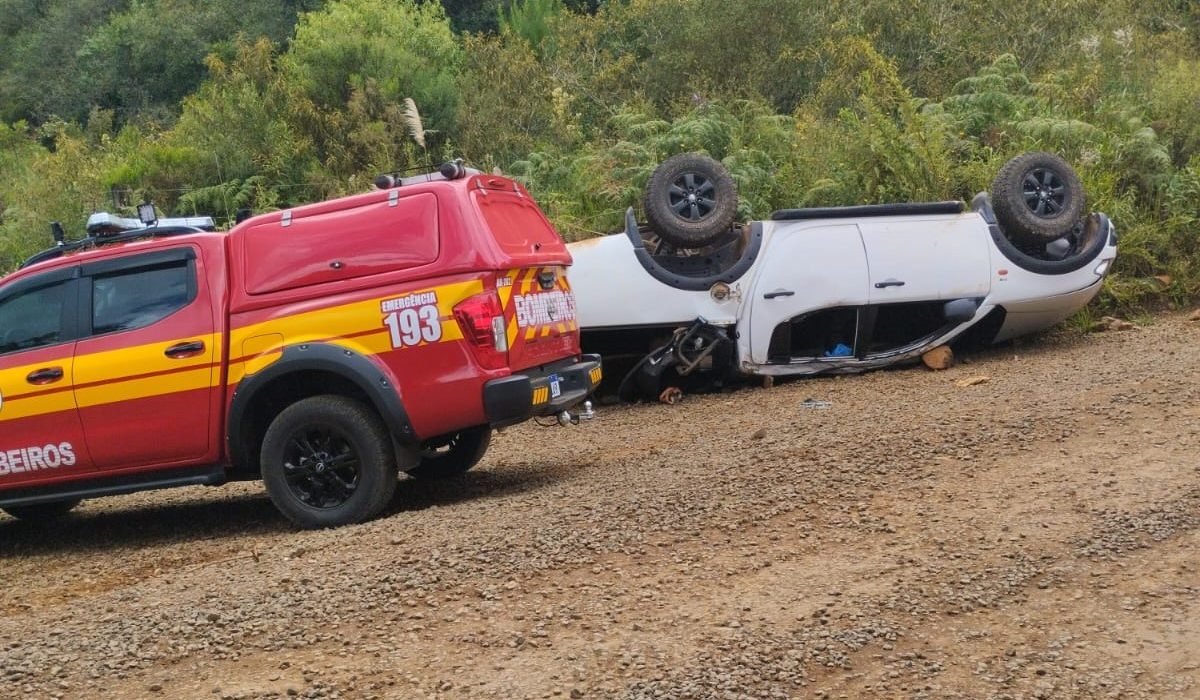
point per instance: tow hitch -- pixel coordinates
(567, 418)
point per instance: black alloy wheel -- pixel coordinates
(321, 467)
(1045, 193)
(690, 196)
(691, 201)
(1038, 198)
(328, 461)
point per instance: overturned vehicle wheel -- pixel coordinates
(691, 200)
(1038, 198)
(1037, 215)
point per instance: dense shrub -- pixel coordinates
(807, 103)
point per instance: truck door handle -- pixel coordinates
(46, 375)
(779, 293)
(185, 350)
(889, 283)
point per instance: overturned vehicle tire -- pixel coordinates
(1037, 215)
(1038, 198)
(691, 200)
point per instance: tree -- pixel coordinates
(357, 61)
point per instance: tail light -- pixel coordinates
(482, 320)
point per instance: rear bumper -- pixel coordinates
(520, 396)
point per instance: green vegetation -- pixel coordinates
(207, 107)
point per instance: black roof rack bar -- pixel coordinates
(96, 241)
(56, 251)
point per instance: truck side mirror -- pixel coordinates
(960, 310)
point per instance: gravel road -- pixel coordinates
(1037, 535)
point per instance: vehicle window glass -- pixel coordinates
(133, 299)
(32, 319)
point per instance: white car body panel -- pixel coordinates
(613, 291)
(936, 258)
(829, 263)
(1033, 315)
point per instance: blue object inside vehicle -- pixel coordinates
(839, 350)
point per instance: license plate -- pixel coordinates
(555, 387)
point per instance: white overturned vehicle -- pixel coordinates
(832, 290)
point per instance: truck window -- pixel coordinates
(131, 299)
(32, 319)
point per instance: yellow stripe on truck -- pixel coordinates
(114, 376)
(353, 319)
(134, 389)
(505, 289)
(15, 376)
(55, 402)
(346, 325)
(119, 375)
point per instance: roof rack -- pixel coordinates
(450, 170)
(105, 224)
(95, 240)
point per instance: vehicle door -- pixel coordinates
(41, 436)
(924, 259)
(806, 267)
(147, 369)
(917, 265)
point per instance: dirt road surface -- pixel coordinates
(1037, 535)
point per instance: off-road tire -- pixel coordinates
(42, 512)
(691, 200)
(463, 450)
(1037, 198)
(350, 425)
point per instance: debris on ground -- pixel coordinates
(815, 403)
(768, 381)
(671, 395)
(941, 357)
(971, 381)
(759, 434)
(1195, 315)
(1111, 323)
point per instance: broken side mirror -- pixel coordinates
(960, 310)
